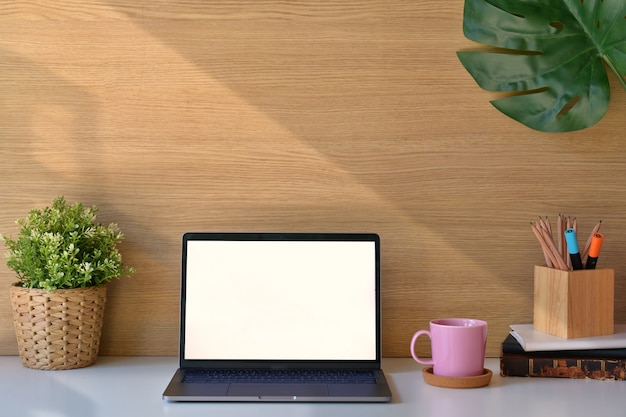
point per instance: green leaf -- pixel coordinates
(551, 57)
(63, 247)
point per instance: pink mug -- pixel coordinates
(457, 347)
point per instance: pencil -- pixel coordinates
(595, 230)
(545, 238)
(559, 234)
(546, 251)
(560, 262)
(549, 225)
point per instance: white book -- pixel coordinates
(533, 340)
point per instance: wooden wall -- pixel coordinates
(292, 116)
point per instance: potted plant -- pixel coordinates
(63, 260)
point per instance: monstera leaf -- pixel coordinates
(551, 55)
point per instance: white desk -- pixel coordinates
(132, 386)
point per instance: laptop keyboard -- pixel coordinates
(302, 376)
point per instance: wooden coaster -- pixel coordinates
(457, 382)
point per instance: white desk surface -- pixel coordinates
(132, 386)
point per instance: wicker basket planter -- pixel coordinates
(59, 329)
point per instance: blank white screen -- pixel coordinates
(285, 300)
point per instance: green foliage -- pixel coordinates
(554, 56)
(61, 247)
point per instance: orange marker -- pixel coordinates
(594, 251)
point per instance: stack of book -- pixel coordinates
(530, 353)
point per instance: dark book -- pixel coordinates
(580, 364)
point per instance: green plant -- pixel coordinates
(553, 57)
(61, 247)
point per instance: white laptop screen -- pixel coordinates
(280, 300)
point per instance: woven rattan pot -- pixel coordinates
(59, 329)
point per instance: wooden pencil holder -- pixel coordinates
(572, 304)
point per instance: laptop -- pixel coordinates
(280, 317)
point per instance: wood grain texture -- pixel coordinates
(572, 304)
(292, 116)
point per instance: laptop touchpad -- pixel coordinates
(278, 390)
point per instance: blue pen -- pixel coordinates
(572, 248)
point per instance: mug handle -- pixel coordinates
(418, 360)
